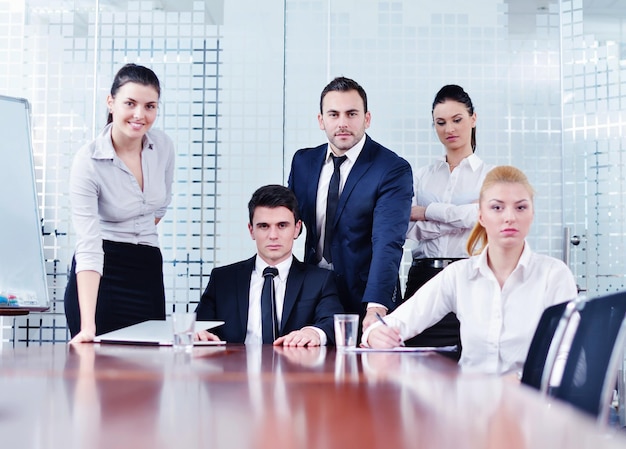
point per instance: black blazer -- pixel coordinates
(310, 300)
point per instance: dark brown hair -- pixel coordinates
(456, 93)
(342, 84)
(133, 73)
(273, 196)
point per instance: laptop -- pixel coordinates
(154, 332)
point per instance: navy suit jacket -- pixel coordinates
(310, 300)
(370, 223)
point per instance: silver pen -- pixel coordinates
(380, 318)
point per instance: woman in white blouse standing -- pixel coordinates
(120, 187)
(498, 294)
(445, 205)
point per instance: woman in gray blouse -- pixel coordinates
(120, 187)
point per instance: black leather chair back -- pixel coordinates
(540, 345)
(590, 373)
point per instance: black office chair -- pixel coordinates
(590, 373)
(537, 360)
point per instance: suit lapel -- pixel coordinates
(361, 166)
(317, 162)
(309, 213)
(295, 279)
(242, 287)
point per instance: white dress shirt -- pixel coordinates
(107, 201)
(322, 190)
(254, 333)
(451, 201)
(497, 325)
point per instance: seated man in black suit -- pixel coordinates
(304, 297)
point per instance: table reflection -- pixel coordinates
(256, 397)
(346, 367)
(98, 400)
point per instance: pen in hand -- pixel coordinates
(380, 318)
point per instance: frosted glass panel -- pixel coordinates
(241, 81)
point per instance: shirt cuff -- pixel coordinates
(375, 304)
(436, 212)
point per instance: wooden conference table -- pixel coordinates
(113, 396)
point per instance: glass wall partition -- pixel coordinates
(241, 81)
(594, 145)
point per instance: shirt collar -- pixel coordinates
(283, 267)
(479, 263)
(352, 153)
(104, 144)
(524, 260)
(472, 160)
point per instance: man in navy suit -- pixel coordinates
(364, 239)
(305, 296)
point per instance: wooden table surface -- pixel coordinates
(114, 396)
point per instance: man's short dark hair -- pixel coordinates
(272, 196)
(342, 84)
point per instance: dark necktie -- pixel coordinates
(331, 206)
(268, 306)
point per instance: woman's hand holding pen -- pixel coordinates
(384, 337)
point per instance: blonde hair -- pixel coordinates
(477, 239)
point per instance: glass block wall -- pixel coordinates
(64, 62)
(403, 52)
(594, 142)
(241, 82)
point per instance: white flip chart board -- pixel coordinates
(22, 265)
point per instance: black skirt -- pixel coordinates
(131, 288)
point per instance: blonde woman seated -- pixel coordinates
(498, 294)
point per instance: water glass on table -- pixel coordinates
(346, 330)
(183, 325)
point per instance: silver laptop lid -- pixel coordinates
(152, 332)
